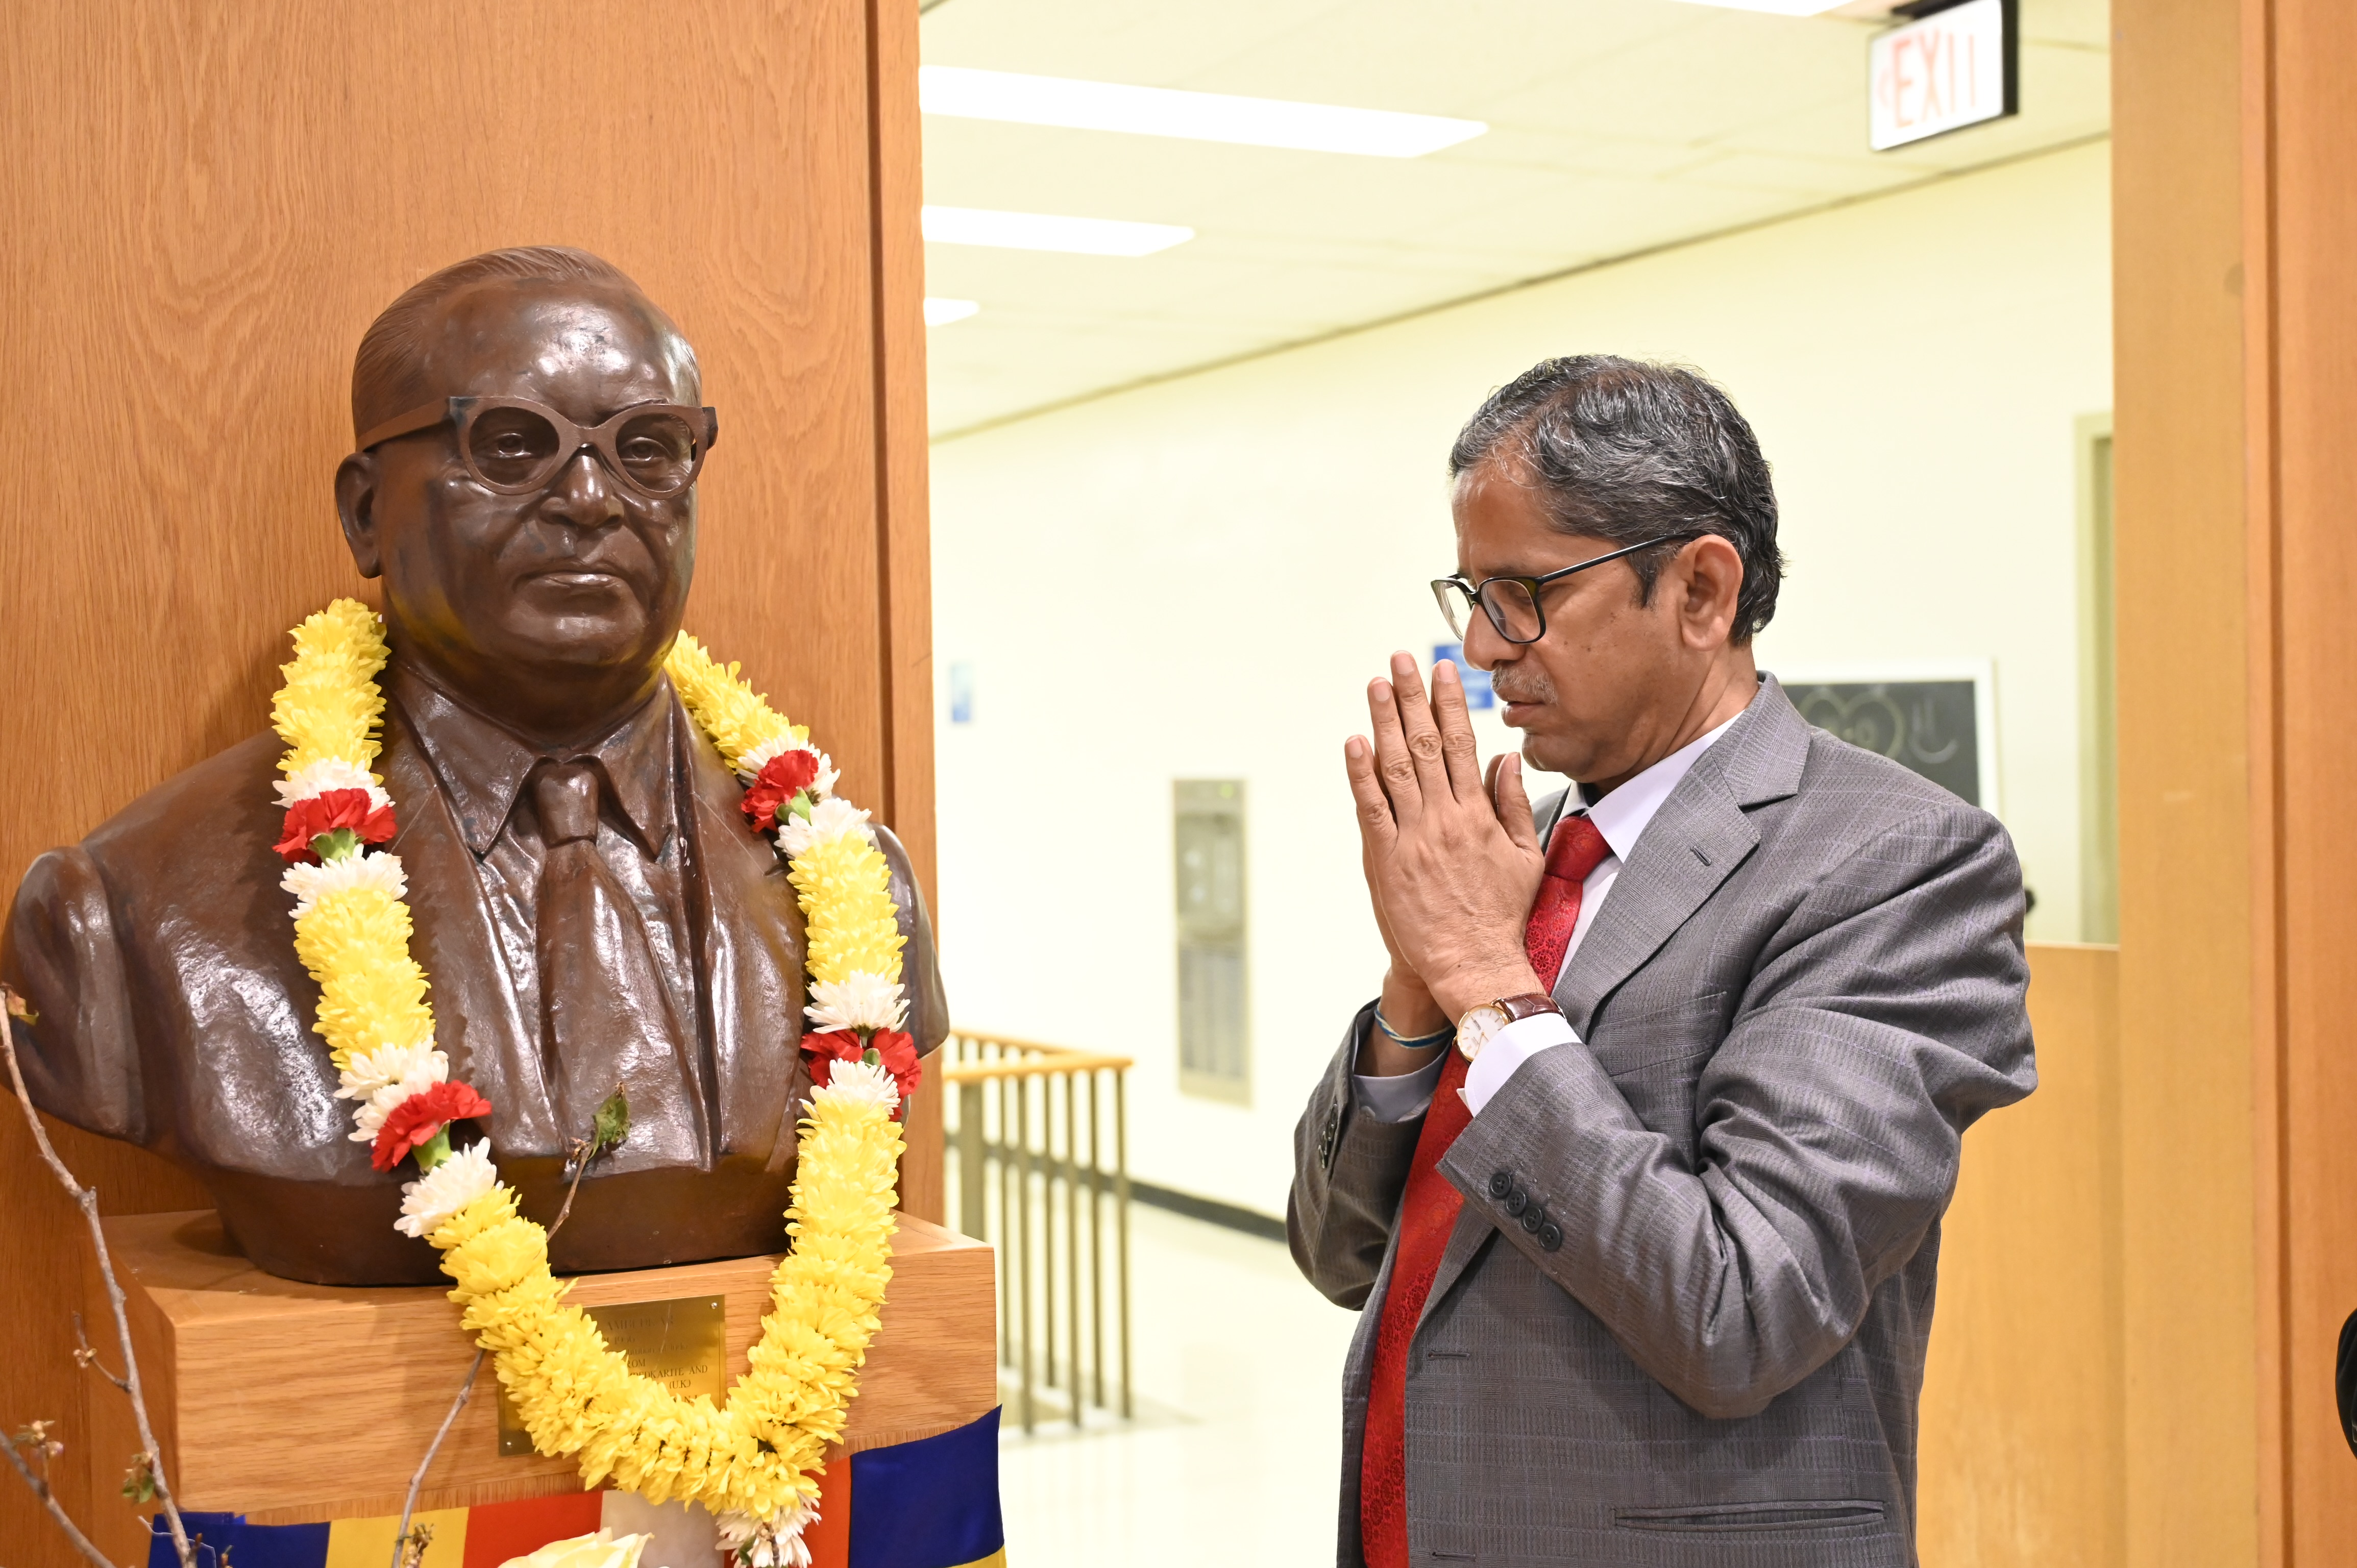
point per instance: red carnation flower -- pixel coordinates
(835, 1046)
(326, 811)
(412, 1124)
(899, 1054)
(898, 1051)
(782, 778)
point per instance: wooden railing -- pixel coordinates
(1029, 1172)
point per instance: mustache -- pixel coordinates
(1521, 688)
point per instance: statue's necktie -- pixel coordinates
(606, 1018)
(1428, 1211)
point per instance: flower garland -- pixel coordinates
(755, 1460)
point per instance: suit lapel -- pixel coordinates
(1692, 844)
(1699, 836)
(1695, 841)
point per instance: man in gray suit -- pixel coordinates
(1637, 1165)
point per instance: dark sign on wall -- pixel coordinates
(1929, 727)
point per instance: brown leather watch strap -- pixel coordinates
(1529, 1004)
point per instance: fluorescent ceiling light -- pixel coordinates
(1774, 7)
(941, 312)
(1198, 116)
(1046, 231)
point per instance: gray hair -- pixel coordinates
(1624, 450)
(390, 372)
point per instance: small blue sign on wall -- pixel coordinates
(962, 692)
(1477, 682)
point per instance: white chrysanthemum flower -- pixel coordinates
(330, 773)
(749, 766)
(830, 818)
(310, 883)
(860, 1084)
(774, 1542)
(369, 1120)
(449, 1188)
(373, 1070)
(860, 1000)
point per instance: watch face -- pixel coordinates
(1474, 1029)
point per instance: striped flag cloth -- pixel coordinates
(932, 1503)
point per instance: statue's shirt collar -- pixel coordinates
(482, 767)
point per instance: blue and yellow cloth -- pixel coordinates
(932, 1503)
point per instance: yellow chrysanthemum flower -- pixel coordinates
(738, 719)
(355, 943)
(577, 1395)
(329, 706)
(845, 890)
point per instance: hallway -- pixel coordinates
(1238, 1434)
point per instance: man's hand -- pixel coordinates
(1452, 866)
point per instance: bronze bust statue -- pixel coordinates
(591, 904)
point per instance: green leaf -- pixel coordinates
(799, 809)
(434, 1150)
(612, 1126)
(342, 844)
(139, 1481)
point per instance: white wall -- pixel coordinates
(1195, 580)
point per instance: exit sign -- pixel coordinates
(1952, 65)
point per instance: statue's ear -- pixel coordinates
(356, 482)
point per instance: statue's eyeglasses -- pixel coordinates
(1512, 603)
(514, 447)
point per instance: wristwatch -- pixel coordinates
(1480, 1024)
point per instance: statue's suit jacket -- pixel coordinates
(1698, 1339)
(159, 955)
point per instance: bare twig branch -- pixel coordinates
(577, 1154)
(41, 1485)
(607, 1132)
(85, 1356)
(86, 1200)
(401, 1555)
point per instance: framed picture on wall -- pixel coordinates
(1937, 718)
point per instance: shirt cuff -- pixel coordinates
(1403, 1097)
(1508, 1049)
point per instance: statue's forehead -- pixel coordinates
(506, 338)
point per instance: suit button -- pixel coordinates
(1517, 1200)
(1550, 1237)
(1501, 1183)
(1534, 1217)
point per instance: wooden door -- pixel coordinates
(2235, 221)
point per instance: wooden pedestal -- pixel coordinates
(291, 1402)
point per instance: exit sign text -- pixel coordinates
(1940, 72)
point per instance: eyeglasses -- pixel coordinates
(1513, 603)
(514, 447)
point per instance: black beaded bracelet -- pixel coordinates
(1422, 1042)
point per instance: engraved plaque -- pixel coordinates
(682, 1344)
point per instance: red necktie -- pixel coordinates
(1428, 1212)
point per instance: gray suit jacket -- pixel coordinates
(1682, 1318)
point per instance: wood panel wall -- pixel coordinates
(2188, 984)
(201, 208)
(2236, 393)
(2300, 321)
(2023, 1438)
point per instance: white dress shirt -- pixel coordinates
(1622, 817)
